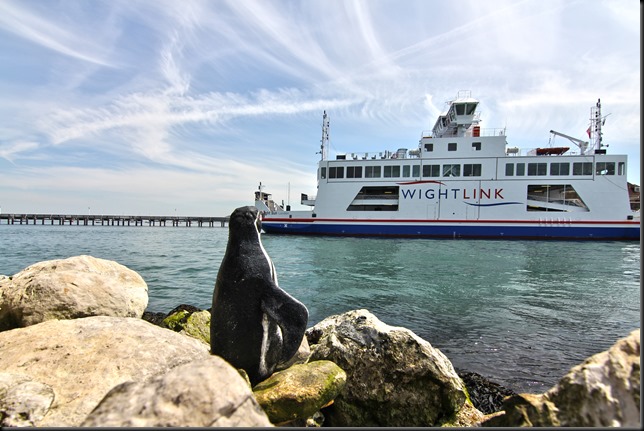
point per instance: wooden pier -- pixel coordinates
(111, 220)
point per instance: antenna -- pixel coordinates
(325, 136)
(595, 128)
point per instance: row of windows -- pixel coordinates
(405, 171)
(556, 168)
(474, 170)
(476, 146)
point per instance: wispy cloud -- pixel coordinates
(202, 96)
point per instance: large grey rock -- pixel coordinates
(83, 359)
(602, 391)
(394, 378)
(23, 402)
(78, 286)
(203, 393)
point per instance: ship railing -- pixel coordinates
(490, 131)
(383, 155)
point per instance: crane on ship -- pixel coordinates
(583, 145)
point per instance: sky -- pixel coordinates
(141, 107)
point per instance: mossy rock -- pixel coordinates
(300, 391)
(194, 324)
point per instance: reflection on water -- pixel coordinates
(519, 312)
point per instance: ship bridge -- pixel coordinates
(460, 116)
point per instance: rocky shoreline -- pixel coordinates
(486, 395)
(79, 349)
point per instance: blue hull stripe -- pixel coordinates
(597, 232)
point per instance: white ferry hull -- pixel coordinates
(490, 229)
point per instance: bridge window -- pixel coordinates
(537, 169)
(473, 170)
(336, 171)
(429, 147)
(582, 168)
(406, 171)
(605, 168)
(476, 146)
(451, 146)
(520, 169)
(559, 168)
(323, 173)
(354, 171)
(392, 171)
(621, 168)
(431, 170)
(451, 170)
(372, 172)
(509, 169)
(415, 171)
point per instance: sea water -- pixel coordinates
(520, 313)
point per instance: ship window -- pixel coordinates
(451, 170)
(471, 107)
(429, 147)
(605, 168)
(392, 171)
(323, 173)
(460, 108)
(451, 146)
(621, 168)
(336, 171)
(554, 197)
(473, 170)
(415, 171)
(537, 169)
(406, 171)
(375, 198)
(431, 170)
(582, 168)
(476, 146)
(559, 168)
(354, 171)
(372, 171)
(509, 169)
(520, 169)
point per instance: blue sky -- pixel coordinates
(183, 107)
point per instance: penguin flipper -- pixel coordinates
(290, 315)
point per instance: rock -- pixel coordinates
(83, 359)
(193, 323)
(394, 378)
(485, 395)
(301, 356)
(70, 288)
(154, 318)
(185, 307)
(203, 393)
(23, 402)
(300, 391)
(525, 410)
(602, 391)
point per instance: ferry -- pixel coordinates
(462, 181)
